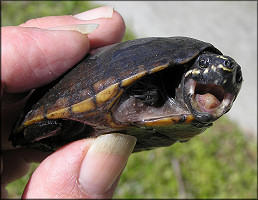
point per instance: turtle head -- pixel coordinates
(211, 85)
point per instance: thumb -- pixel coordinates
(88, 168)
(32, 57)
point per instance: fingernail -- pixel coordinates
(104, 162)
(82, 28)
(97, 13)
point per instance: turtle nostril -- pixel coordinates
(239, 77)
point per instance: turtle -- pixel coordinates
(161, 90)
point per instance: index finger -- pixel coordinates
(111, 24)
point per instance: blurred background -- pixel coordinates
(220, 163)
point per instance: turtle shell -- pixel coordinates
(132, 88)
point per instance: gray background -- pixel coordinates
(231, 26)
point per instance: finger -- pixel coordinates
(83, 169)
(32, 57)
(111, 25)
(40, 56)
(109, 32)
(16, 163)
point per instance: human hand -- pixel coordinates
(31, 56)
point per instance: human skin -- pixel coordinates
(32, 55)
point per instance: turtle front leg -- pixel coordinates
(149, 97)
(149, 91)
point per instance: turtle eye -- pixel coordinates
(228, 64)
(204, 63)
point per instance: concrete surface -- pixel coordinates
(231, 26)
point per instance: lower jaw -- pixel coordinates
(212, 110)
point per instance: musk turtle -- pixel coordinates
(160, 90)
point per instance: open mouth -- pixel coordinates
(209, 98)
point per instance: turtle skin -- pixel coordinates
(160, 90)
